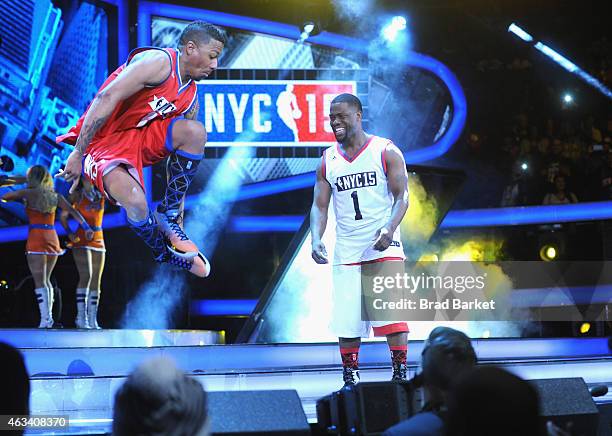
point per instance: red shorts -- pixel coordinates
(134, 148)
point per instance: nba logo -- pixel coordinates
(269, 113)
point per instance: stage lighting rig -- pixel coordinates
(309, 28)
(560, 60)
(549, 252)
(391, 31)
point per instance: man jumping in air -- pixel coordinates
(146, 111)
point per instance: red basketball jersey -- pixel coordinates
(169, 99)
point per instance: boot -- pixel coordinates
(92, 309)
(81, 301)
(42, 298)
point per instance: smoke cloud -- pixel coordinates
(158, 299)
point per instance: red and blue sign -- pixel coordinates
(269, 112)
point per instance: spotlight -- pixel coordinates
(399, 22)
(549, 252)
(561, 60)
(520, 33)
(585, 327)
(524, 166)
(392, 30)
(568, 98)
(309, 28)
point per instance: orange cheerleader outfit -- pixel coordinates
(42, 237)
(92, 210)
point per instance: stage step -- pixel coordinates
(108, 338)
(86, 358)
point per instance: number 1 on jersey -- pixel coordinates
(358, 215)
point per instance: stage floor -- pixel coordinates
(77, 373)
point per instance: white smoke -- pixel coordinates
(355, 12)
(158, 299)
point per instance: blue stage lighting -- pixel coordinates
(146, 10)
(254, 224)
(520, 33)
(399, 22)
(467, 218)
(524, 215)
(567, 98)
(561, 60)
(223, 307)
(216, 200)
(573, 68)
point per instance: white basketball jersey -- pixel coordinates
(362, 201)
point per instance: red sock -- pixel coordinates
(350, 357)
(398, 354)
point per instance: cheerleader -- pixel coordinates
(89, 254)
(42, 246)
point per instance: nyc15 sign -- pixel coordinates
(269, 112)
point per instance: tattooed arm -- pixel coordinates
(192, 114)
(146, 68)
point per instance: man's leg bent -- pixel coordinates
(188, 140)
(126, 190)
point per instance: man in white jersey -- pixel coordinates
(367, 177)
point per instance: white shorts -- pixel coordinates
(346, 307)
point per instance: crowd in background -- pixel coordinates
(570, 161)
(545, 131)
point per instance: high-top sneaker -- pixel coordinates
(198, 265)
(400, 372)
(171, 225)
(181, 168)
(149, 230)
(350, 375)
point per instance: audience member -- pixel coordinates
(448, 354)
(561, 195)
(492, 401)
(15, 398)
(605, 179)
(159, 399)
(517, 191)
